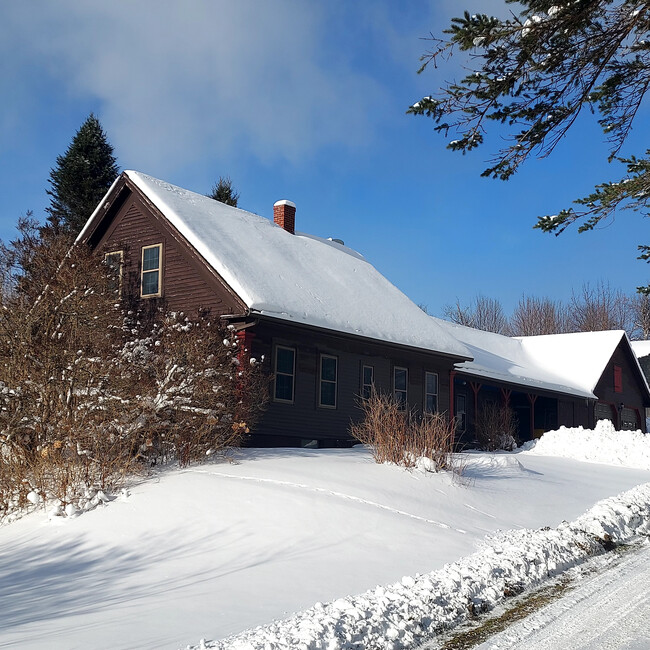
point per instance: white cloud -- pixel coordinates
(178, 80)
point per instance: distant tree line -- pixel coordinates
(593, 308)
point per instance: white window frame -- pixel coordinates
(120, 266)
(286, 374)
(366, 389)
(402, 403)
(158, 270)
(322, 381)
(426, 393)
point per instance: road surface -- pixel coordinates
(608, 609)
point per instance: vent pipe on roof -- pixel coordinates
(284, 214)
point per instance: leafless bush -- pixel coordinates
(197, 391)
(402, 437)
(89, 396)
(496, 427)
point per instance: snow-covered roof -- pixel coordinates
(641, 348)
(299, 278)
(580, 356)
(517, 361)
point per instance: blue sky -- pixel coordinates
(304, 100)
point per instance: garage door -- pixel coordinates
(604, 411)
(629, 419)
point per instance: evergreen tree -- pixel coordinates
(80, 179)
(224, 192)
(534, 73)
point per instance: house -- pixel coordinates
(642, 351)
(328, 325)
(561, 379)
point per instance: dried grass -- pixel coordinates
(404, 437)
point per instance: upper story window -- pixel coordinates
(430, 392)
(400, 386)
(367, 381)
(328, 379)
(151, 271)
(618, 379)
(285, 373)
(114, 261)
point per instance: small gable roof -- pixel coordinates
(298, 278)
(582, 356)
(641, 348)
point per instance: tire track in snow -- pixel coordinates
(481, 512)
(333, 493)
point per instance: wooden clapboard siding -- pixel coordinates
(187, 283)
(633, 394)
(288, 424)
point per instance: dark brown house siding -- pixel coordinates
(536, 411)
(626, 407)
(304, 420)
(186, 282)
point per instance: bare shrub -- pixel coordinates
(89, 396)
(197, 391)
(496, 427)
(402, 437)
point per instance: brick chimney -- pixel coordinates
(284, 214)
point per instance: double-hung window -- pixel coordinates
(367, 381)
(328, 379)
(285, 373)
(400, 386)
(114, 261)
(430, 392)
(150, 281)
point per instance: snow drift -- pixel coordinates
(415, 609)
(601, 445)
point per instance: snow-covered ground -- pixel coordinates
(214, 550)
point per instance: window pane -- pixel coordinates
(400, 397)
(113, 260)
(328, 368)
(149, 283)
(284, 387)
(367, 374)
(400, 379)
(431, 403)
(151, 258)
(114, 263)
(432, 383)
(328, 393)
(284, 361)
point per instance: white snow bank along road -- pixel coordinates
(409, 612)
(601, 445)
